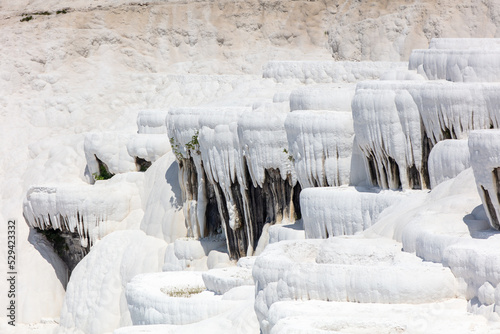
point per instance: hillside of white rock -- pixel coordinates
(300, 156)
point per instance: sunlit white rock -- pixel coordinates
(111, 149)
(320, 145)
(95, 297)
(149, 147)
(222, 280)
(335, 211)
(332, 97)
(152, 121)
(304, 317)
(290, 231)
(196, 254)
(263, 140)
(163, 214)
(388, 118)
(346, 269)
(447, 159)
(176, 298)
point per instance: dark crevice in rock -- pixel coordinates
(490, 208)
(189, 178)
(394, 170)
(296, 201)
(235, 238)
(213, 220)
(271, 203)
(426, 151)
(372, 169)
(447, 134)
(413, 177)
(189, 169)
(67, 246)
(142, 164)
(388, 174)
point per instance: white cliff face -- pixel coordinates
(356, 34)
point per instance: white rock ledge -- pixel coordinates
(176, 298)
(320, 144)
(222, 280)
(346, 269)
(327, 71)
(334, 97)
(472, 65)
(152, 121)
(335, 211)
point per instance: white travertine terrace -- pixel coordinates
(320, 144)
(337, 211)
(398, 122)
(327, 71)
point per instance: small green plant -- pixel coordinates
(290, 157)
(98, 177)
(184, 292)
(194, 144)
(41, 13)
(62, 11)
(27, 18)
(103, 174)
(175, 149)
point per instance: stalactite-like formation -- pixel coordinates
(90, 211)
(234, 159)
(397, 123)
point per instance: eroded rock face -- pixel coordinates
(235, 173)
(275, 201)
(67, 245)
(200, 201)
(73, 217)
(397, 123)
